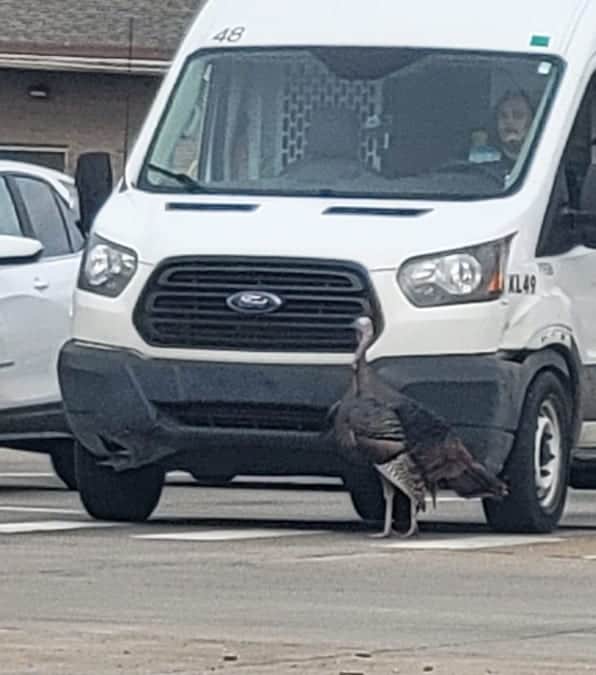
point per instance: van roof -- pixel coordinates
(506, 25)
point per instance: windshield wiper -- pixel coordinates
(181, 178)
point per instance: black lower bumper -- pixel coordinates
(265, 419)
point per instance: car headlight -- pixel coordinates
(106, 268)
(469, 275)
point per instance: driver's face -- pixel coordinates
(514, 118)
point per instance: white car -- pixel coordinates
(40, 250)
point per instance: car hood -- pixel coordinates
(378, 234)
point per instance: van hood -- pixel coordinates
(377, 234)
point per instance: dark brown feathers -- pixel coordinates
(365, 424)
(375, 423)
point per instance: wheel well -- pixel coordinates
(565, 364)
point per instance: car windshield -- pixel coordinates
(352, 122)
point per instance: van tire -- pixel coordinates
(537, 498)
(366, 494)
(126, 496)
(63, 462)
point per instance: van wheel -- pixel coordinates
(63, 463)
(366, 494)
(537, 470)
(128, 496)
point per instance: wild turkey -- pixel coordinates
(413, 449)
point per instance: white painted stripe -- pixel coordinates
(339, 557)
(49, 526)
(589, 557)
(227, 535)
(467, 542)
(179, 475)
(298, 480)
(273, 480)
(445, 500)
(27, 475)
(34, 509)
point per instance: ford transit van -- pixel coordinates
(430, 165)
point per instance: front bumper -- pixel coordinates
(265, 419)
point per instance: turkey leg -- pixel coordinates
(389, 494)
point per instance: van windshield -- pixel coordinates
(351, 122)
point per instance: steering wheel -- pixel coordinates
(472, 168)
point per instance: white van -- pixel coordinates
(429, 164)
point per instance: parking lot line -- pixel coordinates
(39, 509)
(227, 535)
(49, 526)
(29, 474)
(467, 542)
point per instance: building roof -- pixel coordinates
(92, 35)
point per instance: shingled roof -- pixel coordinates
(92, 34)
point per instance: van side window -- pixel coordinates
(575, 185)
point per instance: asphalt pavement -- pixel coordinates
(262, 576)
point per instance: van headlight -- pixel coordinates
(474, 274)
(106, 268)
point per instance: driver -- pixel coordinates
(514, 115)
(513, 118)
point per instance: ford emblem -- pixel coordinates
(254, 302)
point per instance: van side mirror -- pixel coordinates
(14, 250)
(94, 182)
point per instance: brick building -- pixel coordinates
(70, 76)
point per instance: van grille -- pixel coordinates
(265, 417)
(185, 304)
